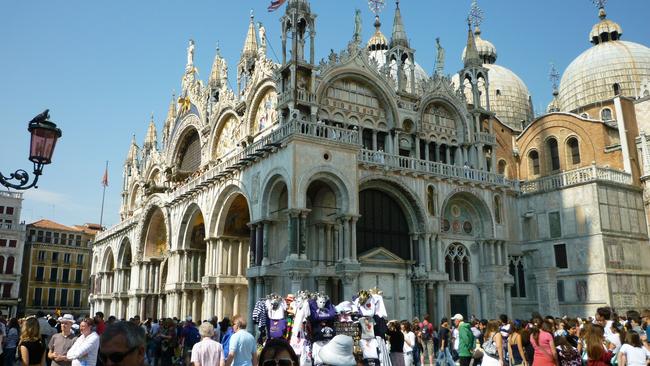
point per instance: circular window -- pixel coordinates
(326, 156)
(467, 227)
(445, 225)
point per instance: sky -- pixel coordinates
(103, 68)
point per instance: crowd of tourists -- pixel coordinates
(606, 339)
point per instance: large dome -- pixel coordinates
(592, 76)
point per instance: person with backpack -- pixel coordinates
(426, 329)
(189, 336)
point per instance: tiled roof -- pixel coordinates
(51, 225)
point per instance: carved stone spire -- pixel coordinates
(219, 72)
(151, 139)
(171, 116)
(250, 45)
(399, 37)
(132, 156)
(472, 58)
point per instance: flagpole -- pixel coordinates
(104, 183)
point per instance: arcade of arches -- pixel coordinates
(220, 269)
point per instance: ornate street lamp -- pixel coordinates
(44, 136)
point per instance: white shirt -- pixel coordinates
(454, 335)
(84, 350)
(614, 338)
(410, 338)
(636, 356)
(207, 352)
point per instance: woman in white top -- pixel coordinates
(409, 343)
(632, 353)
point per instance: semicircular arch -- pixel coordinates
(262, 109)
(467, 207)
(335, 179)
(222, 205)
(450, 105)
(407, 199)
(381, 89)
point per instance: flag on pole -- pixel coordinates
(275, 4)
(105, 177)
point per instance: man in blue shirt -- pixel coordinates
(242, 350)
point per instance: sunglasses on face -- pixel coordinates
(116, 357)
(278, 362)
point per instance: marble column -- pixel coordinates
(220, 301)
(302, 249)
(253, 244)
(259, 241)
(426, 243)
(441, 302)
(374, 140)
(220, 257)
(265, 243)
(353, 237)
(320, 237)
(229, 271)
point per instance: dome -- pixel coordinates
(378, 41)
(486, 50)
(379, 55)
(605, 30)
(593, 76)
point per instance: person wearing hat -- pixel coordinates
(338, 352)
(60, 343)
(466, 341)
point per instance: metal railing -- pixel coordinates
(574, 177)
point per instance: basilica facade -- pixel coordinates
(361, 170)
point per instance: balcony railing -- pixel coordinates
(485, 138)
(431, 168)
(574, 177)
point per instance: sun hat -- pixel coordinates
(457, 317)
(66, 318)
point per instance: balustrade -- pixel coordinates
(574, 177)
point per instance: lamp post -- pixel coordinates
(44, 136)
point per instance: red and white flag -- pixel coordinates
(275, 4)
(105, 178)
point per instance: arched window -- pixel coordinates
(554, 154)
(573, 148)
(457, 263)
(606, 114)
(431, 200)
(501, 167)
(2, 264)
(516, 270)
(10, 265)
(617, 89)
(533, 156)
(497, 209)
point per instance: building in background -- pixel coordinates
(57, 267)
(362, 170)
(12, 240)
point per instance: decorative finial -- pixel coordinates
(252, 14)
(397, 4)
(151, 116)
(376, 6)
(554, 77)
(475, 14)
(600, 4)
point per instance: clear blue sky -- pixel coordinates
(102, 67)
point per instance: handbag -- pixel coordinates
(490, 348)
